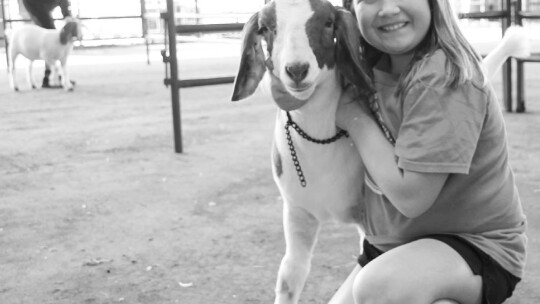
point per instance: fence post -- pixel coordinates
(175, 92)
(145, 30)
(520, 69)
(507, 67)
(6, 42)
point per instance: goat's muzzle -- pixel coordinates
(297, 72)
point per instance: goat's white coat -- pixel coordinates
(334, 172)
(36, 43)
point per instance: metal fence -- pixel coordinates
(7, 22)
(504, 16)
(171, 61)
(522, 14)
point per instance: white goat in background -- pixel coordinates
(36, 43)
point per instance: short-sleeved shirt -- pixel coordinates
(459, 131)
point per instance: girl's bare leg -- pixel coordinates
(426, 271)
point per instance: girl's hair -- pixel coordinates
(462, 62)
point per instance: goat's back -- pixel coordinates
(31, 41)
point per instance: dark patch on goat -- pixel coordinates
(276, 160)
(268, 26)
(70, 30)
(286, 289)
(320, 31)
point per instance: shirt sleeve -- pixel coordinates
(440, 129)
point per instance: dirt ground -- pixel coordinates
(95, 206)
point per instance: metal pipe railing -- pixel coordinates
(171, 59)
(142, 16)
(520, 16)
(505, 16)
(171, 62)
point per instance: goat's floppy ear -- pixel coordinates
(347, 4)
(68, 31)
(348, 53)
(64, 35)
(252, 63)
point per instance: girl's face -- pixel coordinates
(394, 27)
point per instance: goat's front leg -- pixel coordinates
(66, 83)
(30, 76)
(55, 76)
(11, 72)
(301, 231)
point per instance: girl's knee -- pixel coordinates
(379, 286)
(378, 283)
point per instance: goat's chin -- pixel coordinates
(302, 94)
(287, 101)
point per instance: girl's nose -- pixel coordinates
(389, 8)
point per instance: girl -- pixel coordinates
(443, 219)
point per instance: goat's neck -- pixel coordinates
(318, 116)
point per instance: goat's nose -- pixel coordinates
(297, 71)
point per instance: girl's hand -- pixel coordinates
(351, 108)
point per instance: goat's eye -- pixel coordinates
(329, 23)
(262, 30)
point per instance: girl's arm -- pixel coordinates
(412, 193)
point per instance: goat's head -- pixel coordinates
(305, 41)
(70, 31)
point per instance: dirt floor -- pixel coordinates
(95, 206)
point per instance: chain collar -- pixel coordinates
(290, 123)
(374, 107)
(375, 110)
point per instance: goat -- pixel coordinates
(303, 53)
(313, 50)
(36, 43)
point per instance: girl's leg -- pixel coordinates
(426, 271)
(344, 294)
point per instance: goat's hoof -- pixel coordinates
(16, 89)
(34, 87)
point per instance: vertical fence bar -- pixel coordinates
(4, 23)
(520, 69)
(175, 92)
(507, 67)
(145, 30)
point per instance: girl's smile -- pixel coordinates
(395, 27)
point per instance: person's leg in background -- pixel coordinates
(41, 15)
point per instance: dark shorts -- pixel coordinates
(497, 283)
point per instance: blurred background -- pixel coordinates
(139, 21)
